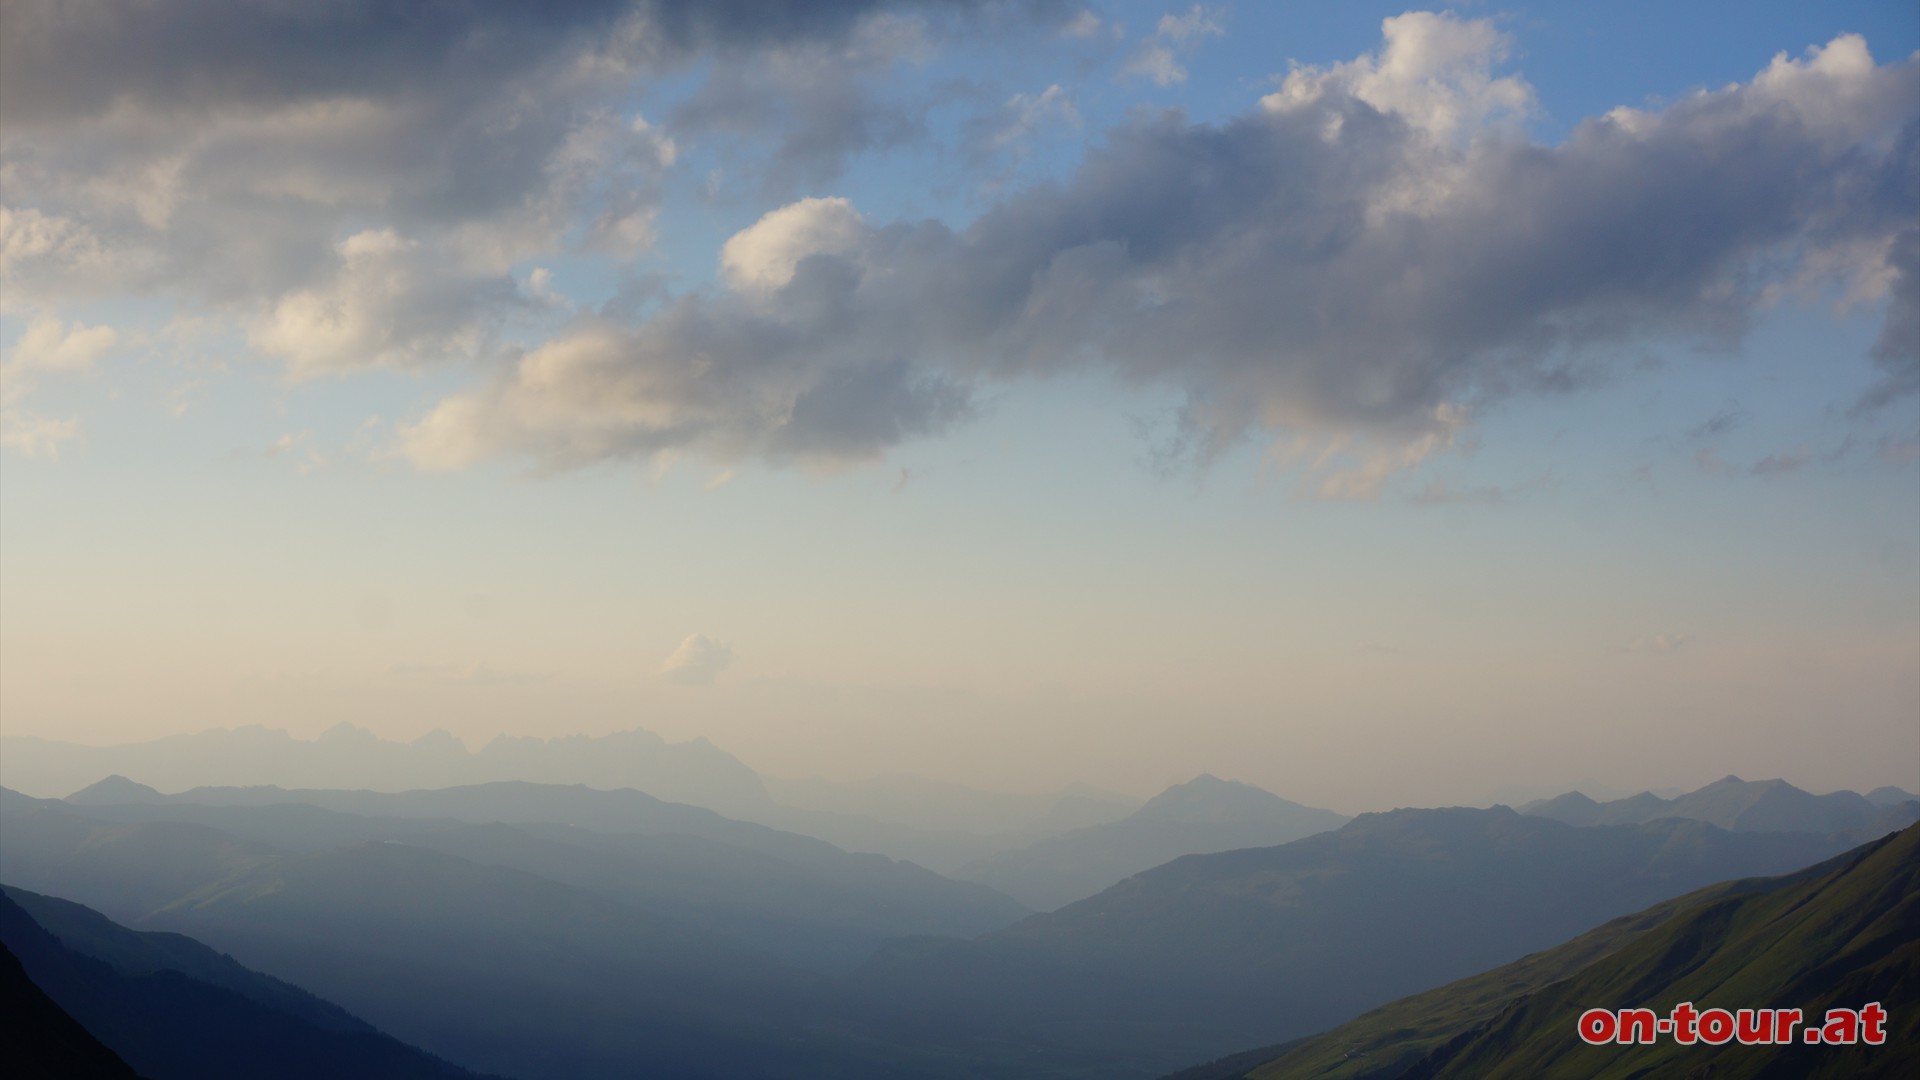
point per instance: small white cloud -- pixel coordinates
(763, 256)
(698, 661)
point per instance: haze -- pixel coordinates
(1383, 408)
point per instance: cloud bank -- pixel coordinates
(1356, 263)
(1354, 266)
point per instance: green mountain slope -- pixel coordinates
(1843, 940)
(1843, 933)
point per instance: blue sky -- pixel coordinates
(1001, 392)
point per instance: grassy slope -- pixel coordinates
(1845, 939)
(1748, 944)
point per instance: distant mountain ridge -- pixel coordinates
(937, 824)
(803, 898)
(695, 772)
(1746, 806)
(1202, 816)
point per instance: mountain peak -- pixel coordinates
(115, 789)
(1207, 798)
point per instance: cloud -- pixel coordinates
(814, 101)
(35, 436)
(762, 257)
(222, 153)
(698, 661)
(1355, 266)
(1157, 58)
(388, 304)
(1434, 72)
(46, 347)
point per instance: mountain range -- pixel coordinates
(345, 756)
(1201, 816)
(939, 825)
(1747, 806)
(546, 931)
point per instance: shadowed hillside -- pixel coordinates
(142, 997)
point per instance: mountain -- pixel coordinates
(797, 898)
(495, 968)
(1204, 815)
(1211, 953)
(39, 1041)
(1843, 933)
(1746, 806)
(141, 996)
(344, 756)
(1890, 796)
(612, 811)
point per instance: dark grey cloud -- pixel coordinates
(62, 60)
(226, 153)
(1359, 263)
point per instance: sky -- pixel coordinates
(1383, 406)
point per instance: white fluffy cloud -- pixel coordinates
(761, 258)
(1434, 71)
(698, 661)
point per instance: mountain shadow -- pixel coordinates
(39, 1041)
(140, 996)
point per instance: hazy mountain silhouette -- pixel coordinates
(940, 807)
(39, 1041)
(144, 998)
(801, 899)
(1212, 953)
(553, 949)
(495, 968)
(1201, 816)
(694, 772)
(1891, 796)
(539, 950)
(1746, 806)
(1842, 933)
